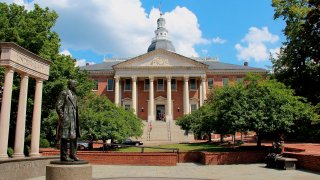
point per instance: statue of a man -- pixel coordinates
(68, 127)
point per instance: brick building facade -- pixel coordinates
(161, 84)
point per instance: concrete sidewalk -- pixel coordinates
(192, 171)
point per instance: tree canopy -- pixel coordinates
(298, 65)
(32, 29)
(102, 120)
(262, 106)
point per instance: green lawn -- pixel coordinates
(195, 147)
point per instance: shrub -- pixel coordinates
(10, 152)
(44, 143)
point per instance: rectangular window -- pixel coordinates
(96, 84)
(160, 85)
(127, 85)
(193, 107)
(225, 81)
(193, 84)
(173, 84)
(239, 80)
(210, 83)
(110, 85)
(146, 84)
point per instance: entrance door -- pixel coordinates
(161, 116)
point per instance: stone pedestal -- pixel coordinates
(69, 171)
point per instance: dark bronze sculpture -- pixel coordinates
(68, 127)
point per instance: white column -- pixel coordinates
(204, 88)
(117, 91)
(21, 118)
(186, 103)
(36, 120)
(5, 112)
(134, 94)
(169, 100)
(201, 94)
(151, 100)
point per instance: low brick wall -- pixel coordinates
(184, 157)
(119, 158)
(246, 157)
(168, 159)
(305, 161)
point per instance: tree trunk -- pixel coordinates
(209, 137)
(258, 139)
(221, 138)
(104, 144)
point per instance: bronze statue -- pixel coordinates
(68, 127)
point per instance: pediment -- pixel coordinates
(126, 99)
(160, 98)
(160, 58)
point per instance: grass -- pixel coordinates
(192, 147)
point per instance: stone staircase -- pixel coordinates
(164, 133)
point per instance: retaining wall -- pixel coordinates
(305, 161)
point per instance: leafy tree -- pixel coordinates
(230, 105)
(264, 106)
(200, 121)
(297, 65)
(102, 120)
(273, 109)
(32, 29)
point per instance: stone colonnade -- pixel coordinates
(17, 59)
(169, 105)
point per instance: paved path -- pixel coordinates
(190, 171)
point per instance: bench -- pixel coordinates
(286, 163)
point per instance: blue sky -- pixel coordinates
(232, 30)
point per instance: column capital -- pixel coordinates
(24, 75)
(117, 78)
(9, 69)
(134, 78)
(186, 78)
(203, 77)
(151, 78)
(39, 80)
(169, 78)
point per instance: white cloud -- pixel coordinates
(83, 62)
(120, 27)
(275, 52)
(256, 44)
(218, 40)
(66, 53)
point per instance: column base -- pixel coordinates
(169, 118)
(18, 155)
(34, 154)
(151, 118)
(4, 156)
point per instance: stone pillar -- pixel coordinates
(5, 112)
(117, 91)
(186, 103)
(36, 120)
(201, 95)
(151, 100)
(21, 119)
(169, 100)
(134, 94)
(204, 88)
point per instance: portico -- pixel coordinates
(158, 73)
(17, 59)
